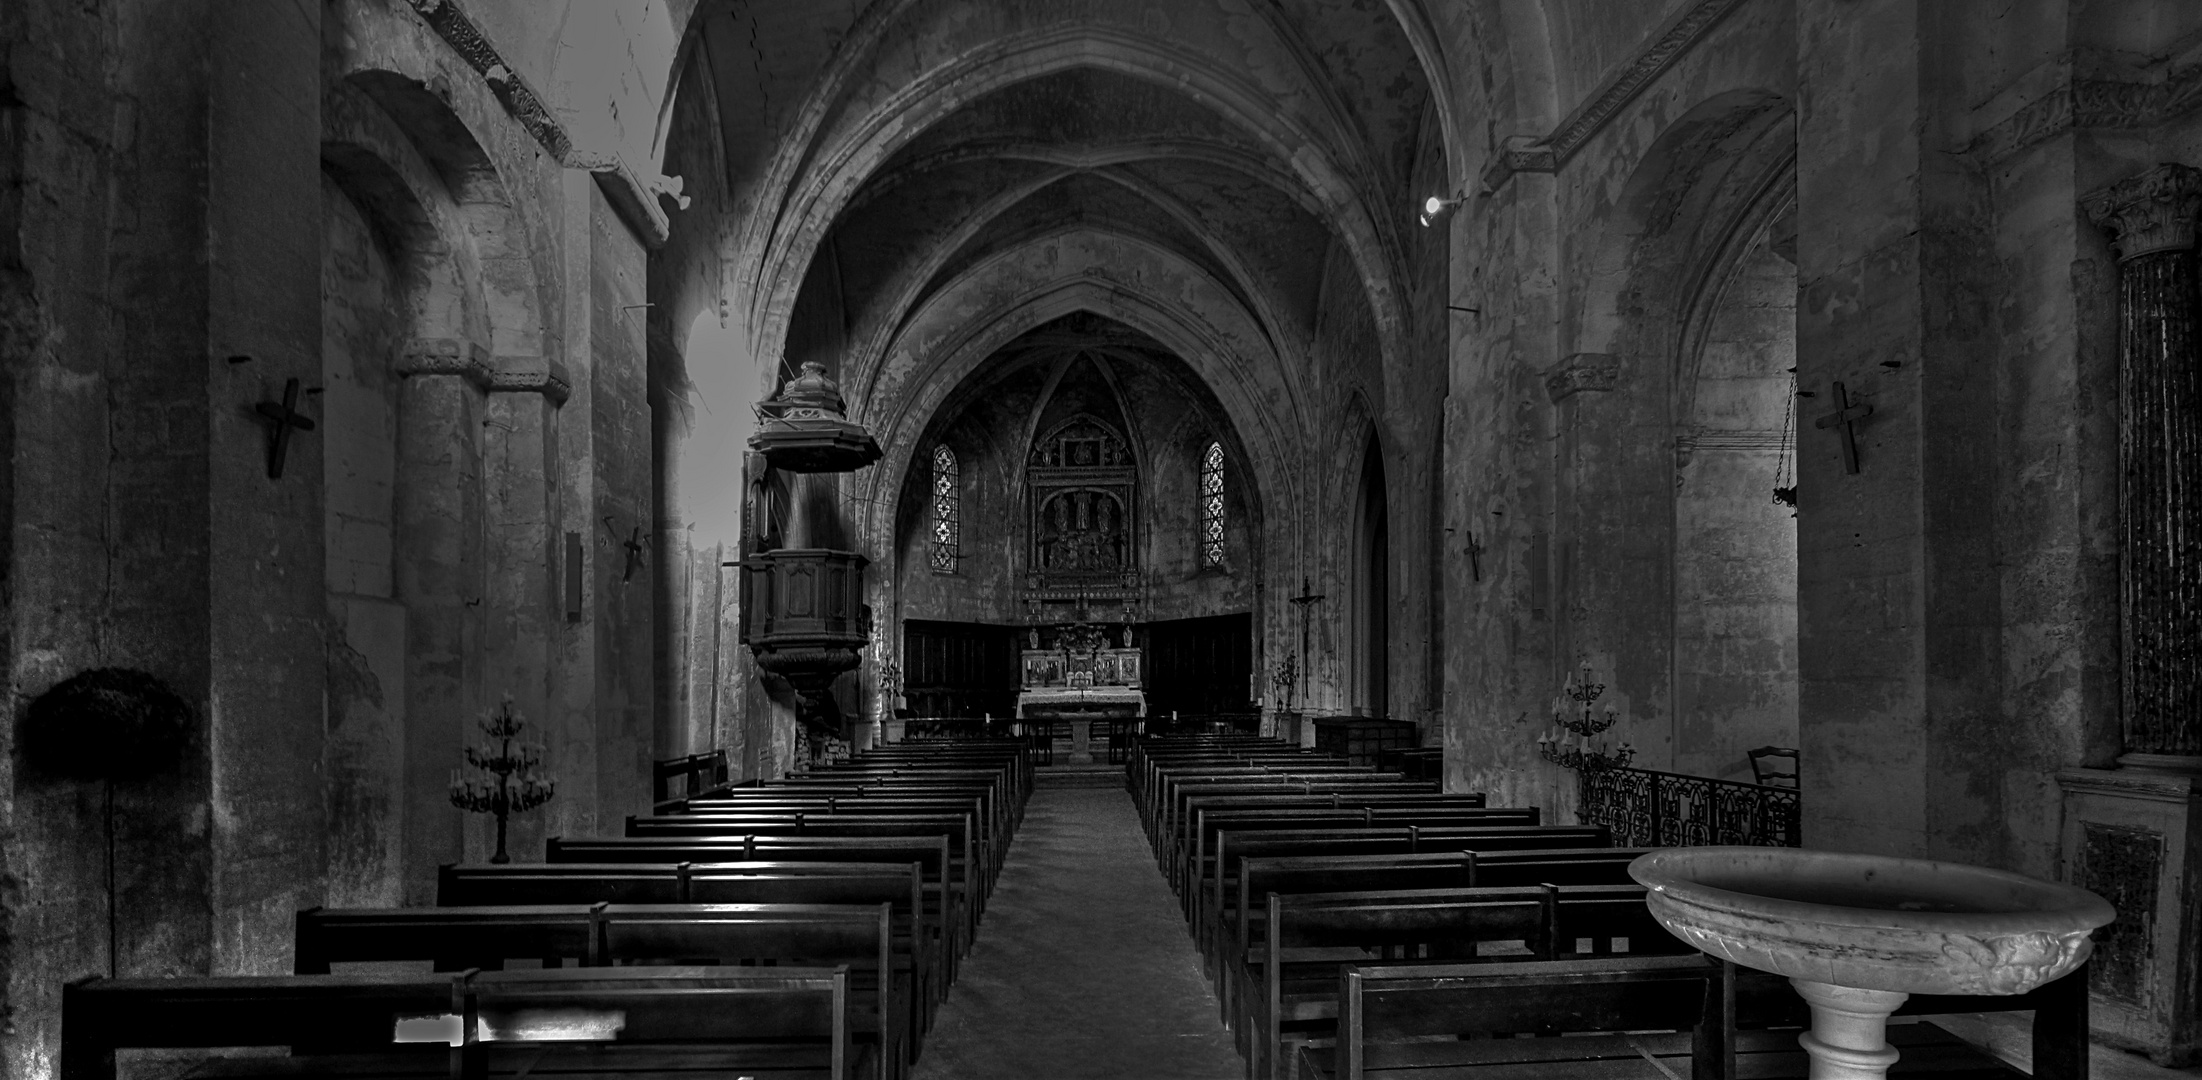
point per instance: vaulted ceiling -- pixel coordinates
(877, 155)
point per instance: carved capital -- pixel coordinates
(446, 356)
(1580, 372)
(2152, 212)
(532, 375)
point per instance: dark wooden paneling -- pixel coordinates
(959, 669)
(1200, 665)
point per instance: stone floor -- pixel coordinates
(1082, 967)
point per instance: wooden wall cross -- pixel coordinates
(636, 549)
(282, 419)
(1846, 415)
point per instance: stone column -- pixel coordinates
(2151, 222)
(524, 578)
(2134, 833)
(438, 563)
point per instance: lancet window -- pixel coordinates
(1211, 506)
(947, 510)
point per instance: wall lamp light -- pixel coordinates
(1437, 208)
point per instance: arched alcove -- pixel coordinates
(1735, 544)
(1369, 577)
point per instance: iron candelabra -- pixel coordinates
(1576, 721)
(511, 784)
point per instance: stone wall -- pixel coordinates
(354, 207)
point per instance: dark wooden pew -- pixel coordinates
(1171, 813)
(1216, 889)
(696, 772)
(1396, 1004)
(1284, 994)
(966, 846)
(883, 1004)
(1011, 779)
(993, 821)
(1584, 1018)
(1588, 864)
(754, 882)
(1174, 784)
(2059, 1034)
(1158, 773)
(575, 1024)
(948, 882)
(940, 891)
(1170, 844)
(1205, 823)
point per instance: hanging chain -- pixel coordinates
(1785, 480)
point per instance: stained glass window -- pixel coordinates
(947, 509)
(1211, 506)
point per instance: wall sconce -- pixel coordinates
(1437, 208)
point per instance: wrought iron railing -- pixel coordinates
(1648, 808)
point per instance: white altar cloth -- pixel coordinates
(1082, 697)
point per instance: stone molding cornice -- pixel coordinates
(2152, 212)
(1681, 33)
(2082, 103)
(1582, 372)
(632, 198)
(634, 201)
(446, 356)
(513, 91)
(532, 375)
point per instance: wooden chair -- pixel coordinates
(1769, 772)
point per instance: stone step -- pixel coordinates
(1081, 776)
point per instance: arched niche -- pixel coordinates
(1735, 544)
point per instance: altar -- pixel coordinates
(1081, 703)
(1085, 676)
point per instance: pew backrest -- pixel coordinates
(429, 1015)
(1384, 1004)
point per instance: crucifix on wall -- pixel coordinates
(1308, 597)
(282, 419)
(1846, 417)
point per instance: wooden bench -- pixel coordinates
(1215, 892)
(1285, 995)
(883, 1005)
(1158, 776)
(1172, 786)
(1171, 814)
(1335, 799)
(946, 882)
(966, 843)
(1382, 1007)
(575, 1024)
(696, 772)
(1586, 865)
(758, 882)
(1584, 1018)
(2059, 1033)
(1204, 824)
(994, 821)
